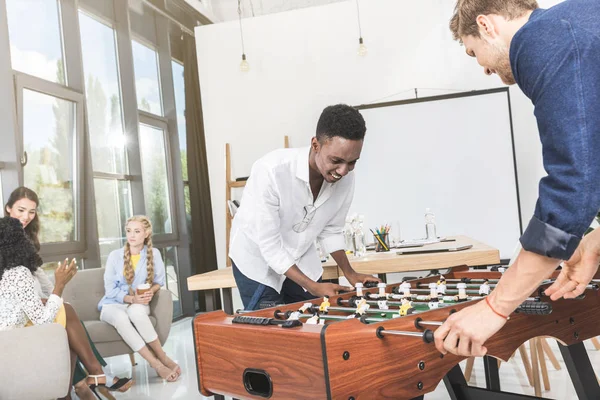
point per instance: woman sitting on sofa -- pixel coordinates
(23, 205)
(21, 304)
(133, 275)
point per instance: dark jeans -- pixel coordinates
(254, 293)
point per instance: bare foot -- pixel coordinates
(172, 365)
(166, 373)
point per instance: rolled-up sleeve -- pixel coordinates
(261, 191)
(114, 268)
(332, 236)
(562, 80)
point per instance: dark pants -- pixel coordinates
(254, 293)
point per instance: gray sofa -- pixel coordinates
(35, 363)
(85, 291)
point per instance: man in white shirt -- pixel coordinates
(293, 198)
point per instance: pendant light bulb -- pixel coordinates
(362, 49)
(244, 66)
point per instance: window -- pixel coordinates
(35, 38)
(102, 89)
(107, 138)
(51, 118)
(169, 255)
(153, 155)
(113, 208)
(147, 83)
(179, 86)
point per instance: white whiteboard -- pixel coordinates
(453, 155)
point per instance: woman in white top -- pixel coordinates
(136, 267)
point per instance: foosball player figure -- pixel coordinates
(359, 290)
(433, 293)
(382, 294)
(462, 291)
(324, 307)
(361, 308)
(296, 314)
(441, 285)
(484, 289)
(314, 320)
(405, 289)
(434, 304)
(406, 307)
(382, 304)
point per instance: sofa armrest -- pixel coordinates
(161, 307)
(36, 362)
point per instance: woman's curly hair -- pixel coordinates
(15, 247)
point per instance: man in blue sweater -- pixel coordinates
(554, 57)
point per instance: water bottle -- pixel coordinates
(360, 247)
(430, 225)
(348, 236)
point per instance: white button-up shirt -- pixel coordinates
(278, 222)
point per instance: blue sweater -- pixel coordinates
(555, 58)
(115, 285)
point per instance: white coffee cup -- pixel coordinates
(143, 288)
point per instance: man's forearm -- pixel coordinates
(520, 280)
(342, 261)
(299, 277)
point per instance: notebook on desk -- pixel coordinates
(427, 250)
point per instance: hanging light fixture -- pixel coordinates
(362, 49)
(244, 66)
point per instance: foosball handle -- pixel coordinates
(534, 308)
(428, 336)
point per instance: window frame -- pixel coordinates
(160, 123)
(25, 81)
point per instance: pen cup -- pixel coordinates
(381, 240)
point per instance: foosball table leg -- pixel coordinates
(492, 377)
(581, 371)
(452, 379)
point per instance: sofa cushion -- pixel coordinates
(101, 332)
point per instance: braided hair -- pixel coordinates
(127, 265)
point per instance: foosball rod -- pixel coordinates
(331, 317)
(426, 335)
(490, 281)
(452, 285)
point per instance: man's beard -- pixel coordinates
(503, 69)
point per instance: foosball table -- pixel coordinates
(377, 343)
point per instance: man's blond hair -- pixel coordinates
(464, 20)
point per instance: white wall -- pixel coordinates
(304, 60)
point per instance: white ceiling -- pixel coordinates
(226, 10)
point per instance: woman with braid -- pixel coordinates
(134, 265)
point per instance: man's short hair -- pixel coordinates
(464, 20)
(341, 120)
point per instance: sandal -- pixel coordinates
(122, 385)
(99, 387)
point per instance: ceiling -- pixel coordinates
(226, 10)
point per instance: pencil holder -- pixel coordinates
(382, 242)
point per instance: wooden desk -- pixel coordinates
(372, 263)
(389, 262)
(223, 279)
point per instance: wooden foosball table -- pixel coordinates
(374, 344)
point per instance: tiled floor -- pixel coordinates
(180, 346)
